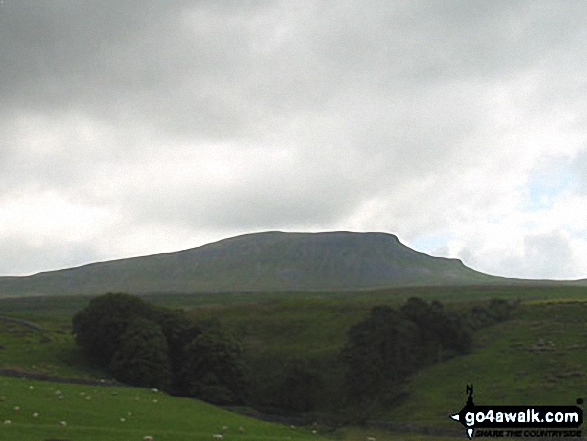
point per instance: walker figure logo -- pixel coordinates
(519, 421)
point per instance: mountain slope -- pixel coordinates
(259, 262)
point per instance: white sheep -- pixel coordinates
(147, 438)
(371, 438)
(17, 408)
(7, 421)
(217, 436)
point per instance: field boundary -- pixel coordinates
(57, 379)
(22, 322)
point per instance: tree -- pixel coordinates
(213, 368)
(178, 330)
(441, 334)
(388, 346)
(144, 345)
(99, 326)
(141, 359)
(498, 310)
(379, 356)
(295, 385)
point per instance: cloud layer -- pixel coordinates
(138, 127)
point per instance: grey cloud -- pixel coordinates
(578, 168)
(140, 56)
(268, 196)
(374, 99)
(546, 256)
(24, 257)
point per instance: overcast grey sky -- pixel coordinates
(136, 127)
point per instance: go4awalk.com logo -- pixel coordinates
(520, 421)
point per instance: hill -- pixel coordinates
(269, 261)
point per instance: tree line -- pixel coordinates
(144, 345)
(148, 346)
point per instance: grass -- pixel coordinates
(361, 434)
(94, 413)
(310, 327)
(51, 351)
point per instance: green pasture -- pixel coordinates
(51, 351)
(38, 410)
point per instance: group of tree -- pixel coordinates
(148, 346)
(144, 345)
(483, 315)
(390, 344)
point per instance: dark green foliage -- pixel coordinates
(300, 387)
(98, 327)
(150, 346)
(141, 358)
(177, 328)
(379, 355)
(498, 310)
(389, 345)
(212, 368)
(289, 385)
(441, 334)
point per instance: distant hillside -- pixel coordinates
(270, 261)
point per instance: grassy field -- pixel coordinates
(34, 410)
(538, 357)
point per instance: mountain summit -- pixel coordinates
(269, 261)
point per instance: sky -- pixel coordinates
(137, 127)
